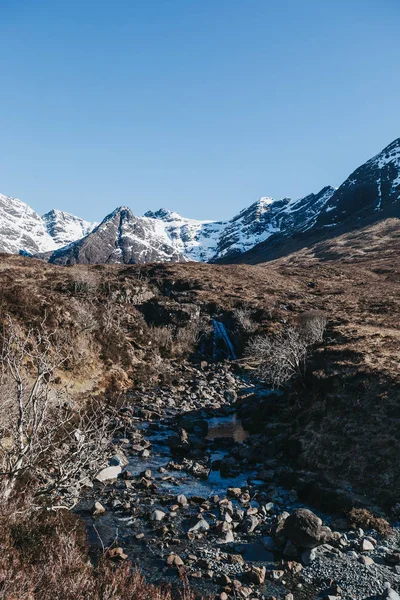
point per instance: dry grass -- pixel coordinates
(44, 556)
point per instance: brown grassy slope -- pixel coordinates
(351, 422)
(349, 417)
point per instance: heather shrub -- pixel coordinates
(361, 517)
(312, 325)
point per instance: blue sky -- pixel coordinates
(200, 106)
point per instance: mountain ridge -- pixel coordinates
(264, 230)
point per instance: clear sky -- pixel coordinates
(200, 106)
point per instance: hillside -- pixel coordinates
(345, 425)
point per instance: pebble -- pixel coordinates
(157, 515)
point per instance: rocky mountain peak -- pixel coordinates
(65, 228)
(164, 214)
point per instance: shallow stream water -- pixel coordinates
(124, 529)
(185, 483)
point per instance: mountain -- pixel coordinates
(23, 230)
(120, 238)
(196, 240)
(269, 217)
(165, 236)
(371, 190)
(65, 228)
(265, 230)
(370, 194)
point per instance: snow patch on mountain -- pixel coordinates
(196, 240)
(211, 240)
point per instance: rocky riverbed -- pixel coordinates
(191, 493)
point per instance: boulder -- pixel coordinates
(179, 443)
(174, 560)
(304, 529)
(117, 553)
(366, 545)
(256, 575)
(366, 560)
(223, 579)
(390, 594)
(157, 515)
(118, 460)
(182, 500)
(98, 509)
(307, 556)
(250, 523)
(198, 525)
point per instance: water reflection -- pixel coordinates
(226, 427)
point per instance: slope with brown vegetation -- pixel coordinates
(126, 321)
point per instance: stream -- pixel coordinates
(132, 532)
(197, 498)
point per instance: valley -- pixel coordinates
(207, 461)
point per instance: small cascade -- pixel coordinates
(220, 334)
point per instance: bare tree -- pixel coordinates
(41, 435)
(86, 314)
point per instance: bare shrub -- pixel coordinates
(243, 318)
(42, 438)
(284, 356)
(85, 313)
(174, 341)
(279, 358)
(111, 317)
(83, 281)
(162, 338)
(186, 338)
(312, 325)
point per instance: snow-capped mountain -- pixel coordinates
(196, 240)
(121, 238)
(266, 227)
(65, 228)
(267, 217)
(23, 230)
(371, 193)
(165, 236)
(372, 189)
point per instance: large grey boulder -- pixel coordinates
(304, 529)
